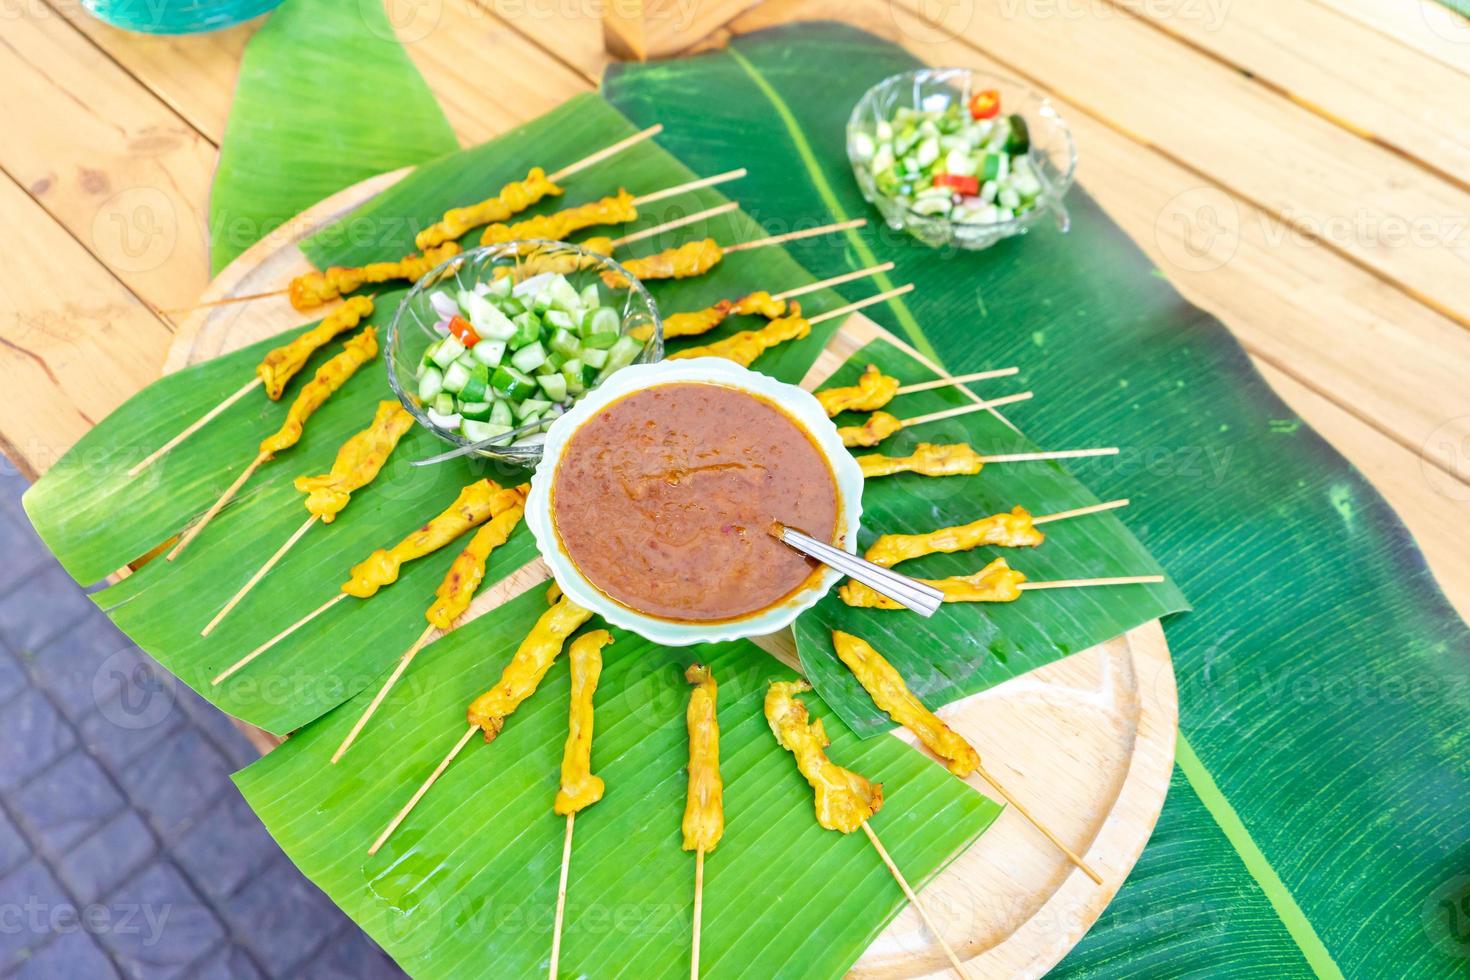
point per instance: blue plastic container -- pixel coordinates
(177, 16)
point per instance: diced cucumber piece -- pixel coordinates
(555, 386)
(1008, 198)
(604, 319)
(601, 340)
(511, 306)
(488, 352)
(528, 331)
(531, 405)
(590, 296)
(480, 431)
(455, 377)
(487, 319)
(476, 410)
(572, 371)
(593, 357)
(512, 383)
(562, 296)
(474, 389)
(927, 152)
(1018, 140)
(450, 420)
(528, 419)
(960, 162)
(501, 287)
(529, 358)
(443, 403)
(565, 343)
(620, 355)
(559, 319)
(431, 382)
(554, 361)
(862, 146)
(500, 413)
(932, 206)
(447, 352)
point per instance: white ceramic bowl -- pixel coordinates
(797, 403)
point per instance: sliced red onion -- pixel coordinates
(444, 304)
(442, 327)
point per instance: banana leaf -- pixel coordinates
(467, 885)
(326, 97)
(967, 647)
(1322, 760)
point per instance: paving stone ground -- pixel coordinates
(125, 850)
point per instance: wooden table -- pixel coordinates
(1311, 193)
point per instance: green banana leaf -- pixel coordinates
(467, 885)
(967, 647)
(326, 97)
(1315, 821)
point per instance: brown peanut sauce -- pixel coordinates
(664, 498)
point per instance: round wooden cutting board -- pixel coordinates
(1086, 743)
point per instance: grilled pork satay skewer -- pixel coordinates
(314, 288)
(996, 582)
(958, 459)
(886, 686)
(487, 713)
(768, 305)
(844, 800)
(435, 242)
(452, 598)
(1013, 529)
(357, 464)
(698, 257)
(744, 347)
(476, 503)
(277, 368)
(579, 787)
(616, 209)
(704, 810)
(329, 377)
(881, 425)
(874, 389)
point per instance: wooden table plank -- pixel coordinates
(1425, 26)
(1353, 74)
(119, 169)
(575, 37)
(71, 349)
(193, 73)
(1360, 198)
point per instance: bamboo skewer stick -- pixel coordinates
(194, 530)
(957, 380)
(605, 152)
(813, 287)
(1053, 454)
(238, 664)
(670, 225)
(195, 426)
(793, 236)
(692, 185)
(1011, 801)
(698, 912)
(1080, 511)
(954, 961)
(862, 303)
(1077, 583)
(259, 574)
(950, 413)
(403, 663)
(562, 174)
(413, 801)
(561, 897)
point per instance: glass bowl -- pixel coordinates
(414, 324)
(1052, 152)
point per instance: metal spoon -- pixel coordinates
(910, 593)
